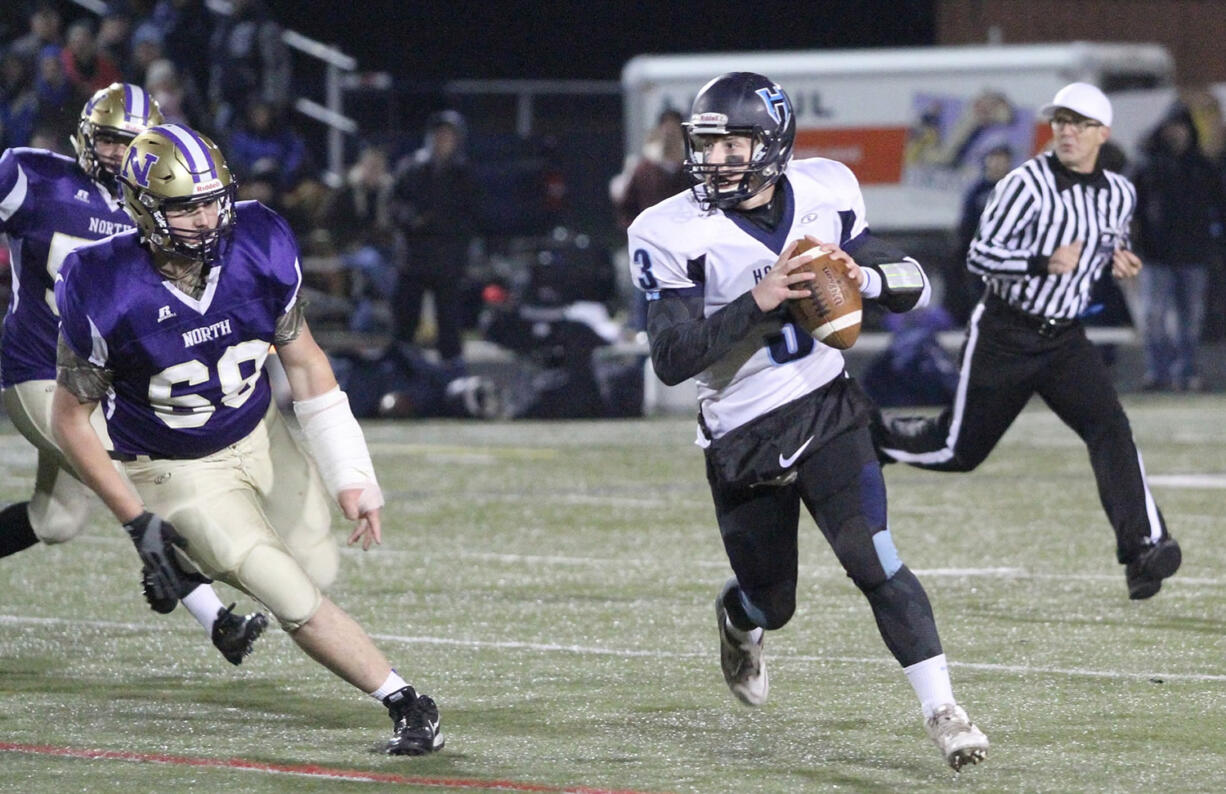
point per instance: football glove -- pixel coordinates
(154, 537)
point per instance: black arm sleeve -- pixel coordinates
(874, 251)
(684, 343)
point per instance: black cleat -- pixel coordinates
(416, 728)
(1146, 572)
(157, 602)
(234, 635)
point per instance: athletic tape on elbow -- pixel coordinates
(335, 440)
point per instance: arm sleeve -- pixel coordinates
(1007, 244)
(87, 382)
(684, 343)
(286, 280)
(289, 324)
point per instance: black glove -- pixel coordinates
(153, 537)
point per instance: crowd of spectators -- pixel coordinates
(229, 75)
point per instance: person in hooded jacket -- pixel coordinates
(1180, 209)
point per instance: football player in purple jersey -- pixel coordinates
(49, 205)
(169, 326)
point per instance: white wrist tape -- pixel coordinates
(870, 285)
(335, 440)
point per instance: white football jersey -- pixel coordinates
(677, 246)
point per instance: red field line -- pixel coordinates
(305, 770)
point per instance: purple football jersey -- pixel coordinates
(48, 206)
(188, 373)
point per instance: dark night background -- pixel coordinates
(518, 39)
(423, 45)
(575, 140)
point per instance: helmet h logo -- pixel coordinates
(776, 104)
(139, 171)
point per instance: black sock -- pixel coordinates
(15, 530)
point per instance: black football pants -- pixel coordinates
(842, 488)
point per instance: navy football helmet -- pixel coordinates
(739, 103)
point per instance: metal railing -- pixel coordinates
(331, 112)
(525, 92)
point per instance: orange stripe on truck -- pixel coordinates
(874, 154)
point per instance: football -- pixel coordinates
(833, 309)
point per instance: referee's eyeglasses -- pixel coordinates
(1079, 123)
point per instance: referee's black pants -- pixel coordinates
(1007, 357)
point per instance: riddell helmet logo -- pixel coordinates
(139, 171)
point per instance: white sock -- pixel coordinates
(930, 680)
(753, 636)
(204, 605)
(394, 683)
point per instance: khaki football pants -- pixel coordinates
(61, 505)
(255, 515)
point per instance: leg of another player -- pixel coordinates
(16, 532)
(56, 512)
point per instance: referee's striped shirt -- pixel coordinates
(1035, 209)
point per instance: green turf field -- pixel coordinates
(551, 586)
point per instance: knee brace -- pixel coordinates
(770, 607)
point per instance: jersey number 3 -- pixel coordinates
(647, 279)
(182, 411)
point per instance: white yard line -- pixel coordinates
(1217, 481)
(628, 653)
(830, 571)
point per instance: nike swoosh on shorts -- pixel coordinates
(789, 460)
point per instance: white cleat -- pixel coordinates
(956, 736)
(743, 665)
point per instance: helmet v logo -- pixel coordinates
(140, 172)
(776, 104)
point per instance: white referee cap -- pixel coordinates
(1081, 98)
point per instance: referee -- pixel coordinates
(1051, 228)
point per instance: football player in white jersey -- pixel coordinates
(780, 421)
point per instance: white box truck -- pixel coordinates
(913, 123)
